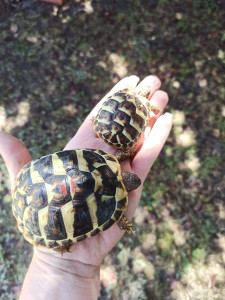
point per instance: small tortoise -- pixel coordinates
(65, 197)
(123, 118)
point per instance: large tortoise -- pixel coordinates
(123, 118)
(65, 197)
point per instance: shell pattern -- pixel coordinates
(122, 119)
(68, 196)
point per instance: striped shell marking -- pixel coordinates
(68, 196)
(122, 119)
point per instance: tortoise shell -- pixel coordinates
(68, 196)
(122, 118)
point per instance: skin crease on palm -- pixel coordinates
(91, 252)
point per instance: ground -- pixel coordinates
(57, 62)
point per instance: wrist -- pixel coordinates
(53, 260)
(59, 278)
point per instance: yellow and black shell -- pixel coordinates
(122, 119)
(68, 196)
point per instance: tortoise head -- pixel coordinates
(131, 181)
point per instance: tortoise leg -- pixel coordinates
(155, 109)
(62, 249)
(143, 90)
(126, 225)
(124, 154)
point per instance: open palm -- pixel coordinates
(92, 251)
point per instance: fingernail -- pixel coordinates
(134, 77)
(168, 116)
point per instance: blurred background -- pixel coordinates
(57, 62)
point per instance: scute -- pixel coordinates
(67, 196)
(122, 119)
(44, 166)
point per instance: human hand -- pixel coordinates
(86, 256)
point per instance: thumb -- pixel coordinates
(14, 153)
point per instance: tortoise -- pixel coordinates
(65, 197)
(123, 118)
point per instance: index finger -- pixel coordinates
(14, 153)
(152, 146)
